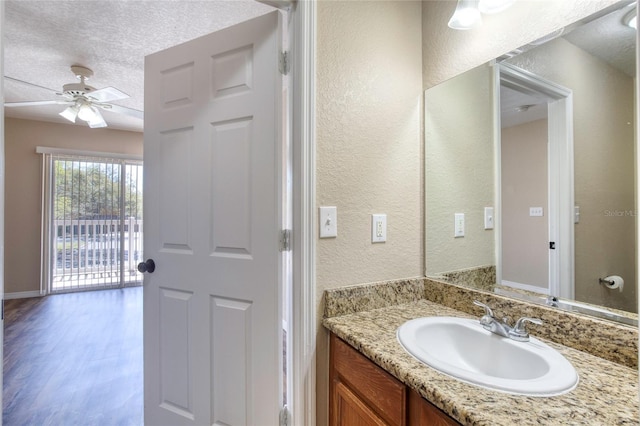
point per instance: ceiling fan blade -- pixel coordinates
(16, 80)
(107, 94)
(35, 103)
(97, 121)
(123, 110)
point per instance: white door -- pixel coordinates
(212, 307)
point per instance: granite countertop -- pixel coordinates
(607, 393)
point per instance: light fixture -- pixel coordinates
(631, 19)
(524, 108)
(70, 113)
(466, 15)
(86, 113)
(489, 7)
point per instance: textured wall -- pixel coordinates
(369, 160)
(448, 52)
(604, 143)
(368, 138)
(23, 188)
(525, 239)
(459, 156)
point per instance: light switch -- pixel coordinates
(488, 218)
(378, 228)
(458, 229)
(328, 222)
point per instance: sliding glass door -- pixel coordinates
(94, 224)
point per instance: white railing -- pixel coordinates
(94, 251)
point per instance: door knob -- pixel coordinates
(147, 266)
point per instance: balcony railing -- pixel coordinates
(96, 253)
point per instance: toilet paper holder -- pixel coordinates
(606, 281)
(613, 282)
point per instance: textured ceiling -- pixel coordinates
(607, 37)
(42, 39)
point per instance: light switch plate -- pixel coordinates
(328, 222)
(536, 211)
(378, 228)
(488, 218)
(458, 228)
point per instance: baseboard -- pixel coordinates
(22, 295)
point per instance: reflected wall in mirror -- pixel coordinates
(475, 161)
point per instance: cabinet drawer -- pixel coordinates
(379, 389)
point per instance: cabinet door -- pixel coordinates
(359, 386)
(349, 410)
(422, 412)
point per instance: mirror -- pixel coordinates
(536, 150)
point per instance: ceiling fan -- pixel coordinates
(84, 102)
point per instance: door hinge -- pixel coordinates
(283, 63)
(285, 417)
(285, 240)
(552, 245)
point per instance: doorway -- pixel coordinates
(536, 181)
(301, 336)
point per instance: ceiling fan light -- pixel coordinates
(97, 121)
(87, 113)
(70, 113)
(466, 15)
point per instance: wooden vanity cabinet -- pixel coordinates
(363, 394)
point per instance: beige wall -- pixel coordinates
(459, 157)
(604, 167)
(525, 239)
(369, 95)
(373, 58)
(368, 100)
(23, 187)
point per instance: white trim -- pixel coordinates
(497, 171)
(278, 4)
(527, 287)
(561, 177)
(2, 184)
(637, 175)
(81, 153)
(303, 44)
(45, 224)
(22, 295)
(561, 183)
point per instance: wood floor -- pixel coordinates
(74, 359)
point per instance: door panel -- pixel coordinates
(213, 316)
(175, 148)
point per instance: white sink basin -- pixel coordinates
(463, 349)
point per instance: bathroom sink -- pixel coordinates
(463, 349)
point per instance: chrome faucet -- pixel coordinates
(502, 328)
